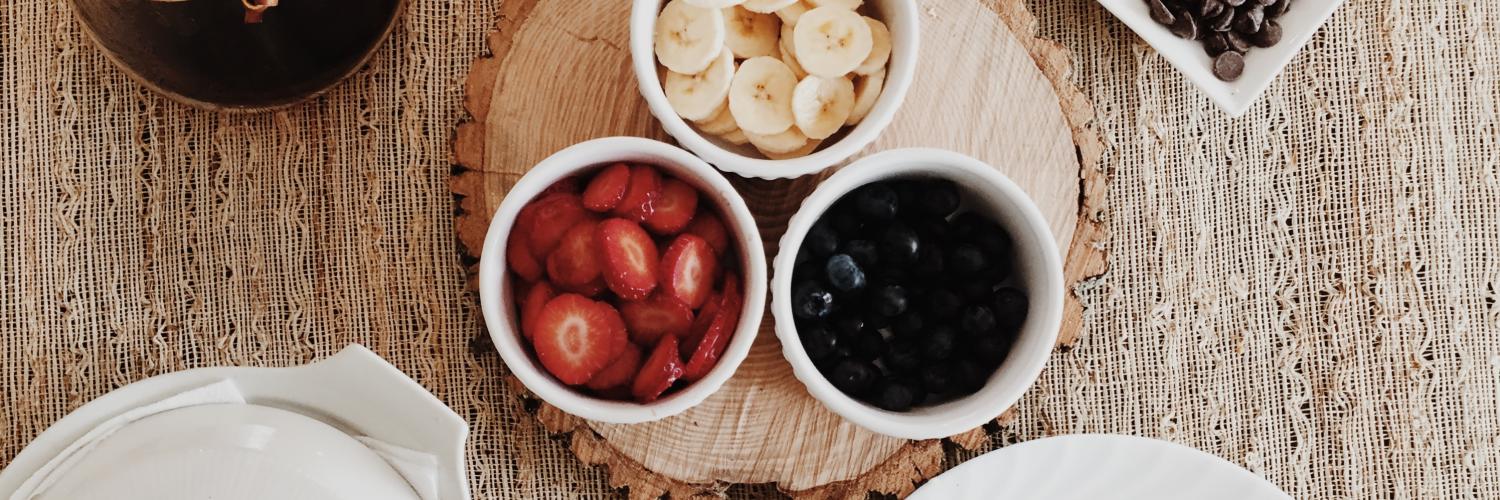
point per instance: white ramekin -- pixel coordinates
(899, 15)
(1038, 267)
(497, 299)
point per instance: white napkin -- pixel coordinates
(418, 468)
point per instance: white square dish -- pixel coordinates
(1261, 65)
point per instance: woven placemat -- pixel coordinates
(1309, 291)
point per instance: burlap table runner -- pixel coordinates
(1309, 291)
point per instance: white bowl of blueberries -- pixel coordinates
(917, 293)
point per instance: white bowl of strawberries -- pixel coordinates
(622, 280)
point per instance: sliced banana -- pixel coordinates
(821, 105)
(791, 61)
(842, 4)
(736, 137)
(788, 30)
(714, 4)
(698, 96)
(805, 150)
(791, 13)
(880, 48)
(688, 38)
(866, 91)
(760, 97)
(766, 6)
(831, 41)
(784, 142)
(720, 123)
(750, 34)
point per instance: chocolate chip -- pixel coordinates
(1223, 21)
(1210, 8)
(1249, 20)
(1186, 27)
(1215, 44)
(1235, 3)
(1160, 13)
(1279, 8)
(1229, 66)
(1238, 42)
(1269, 35)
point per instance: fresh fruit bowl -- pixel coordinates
(815, 101)
(1011, 355)
(617, 243)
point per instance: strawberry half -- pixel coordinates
(701, 323)
(576, 337)
(575, 261)
(555, 214)
(647, 320)
(591, 289)
(708, 226)
(630, 258)
(716, 339)
(658, 372)
(607, 188)
(688, 270)
(518, 247)
(531, 307)
(620, 373)
(640, 195)
(567, 185)
(673, 208)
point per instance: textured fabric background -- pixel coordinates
(1309, 291)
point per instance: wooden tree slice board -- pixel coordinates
(560, 74)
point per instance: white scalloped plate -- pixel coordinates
(354, 391)
(1097, 467)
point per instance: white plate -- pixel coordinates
(1097, 467)
(354, 391)
(1261, 65)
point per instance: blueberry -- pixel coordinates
(875, 321)
(991, 349)
(843, 273)
(902, 357)
(811, 301)
(968, 259)
(878, 202)
(937, 378)
(894, 395)
(977, 319)
(863, 251)
(849, 324)
(867, 346)
(845, 222)
(939, 343)
(853, 376)
(938, 197)
(942, 303)
(821, 240)
(1010, 308)
(977, 289)
(970, 225)
(994, 241)
(908, 324)
(969, 377)
(892, 274)
(889, 300)
(818, 342)
(930, 264)
(805, 270)
(899, 246)
(934, 229)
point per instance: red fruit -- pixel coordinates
(591, 289)
(630, 258)
(531, 307)
(647, 320)
(567, 185)
(701, 323)
(658, 372)
(708, 226)
(619, 373)
(576, 337)
(518, 256)
(607, 188)
(555, 214)
(688, 270)
(575, 261)
(716, 339)
(640, 195)
(673, 208)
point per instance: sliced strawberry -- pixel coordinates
(630, 258)
(518, 257)
(708, 226)
(555, 214)
(591, 289)
(647, 320)
(673, 208)
(716, 339)
(607, 188)
(567, 185)
(531, 307)
(621, 372)
(575, 261)
(701, 323)
(640, 195)
(576, 337)
(658, 372)
(688, 270)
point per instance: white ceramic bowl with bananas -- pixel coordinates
(774, 88)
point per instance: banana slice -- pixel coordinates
(831, 41)
(714, 4)
(880, 48)
(736, 137)
(842, 4)
(805, 150)
(720, 123)
(791, 13)
(688, 38)
(865, 94)
(750, 34)
(784, 142)
(791, 61)
(766, 6)
(788, 30)
(821, 105)
(760, 97)
(698, 97)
